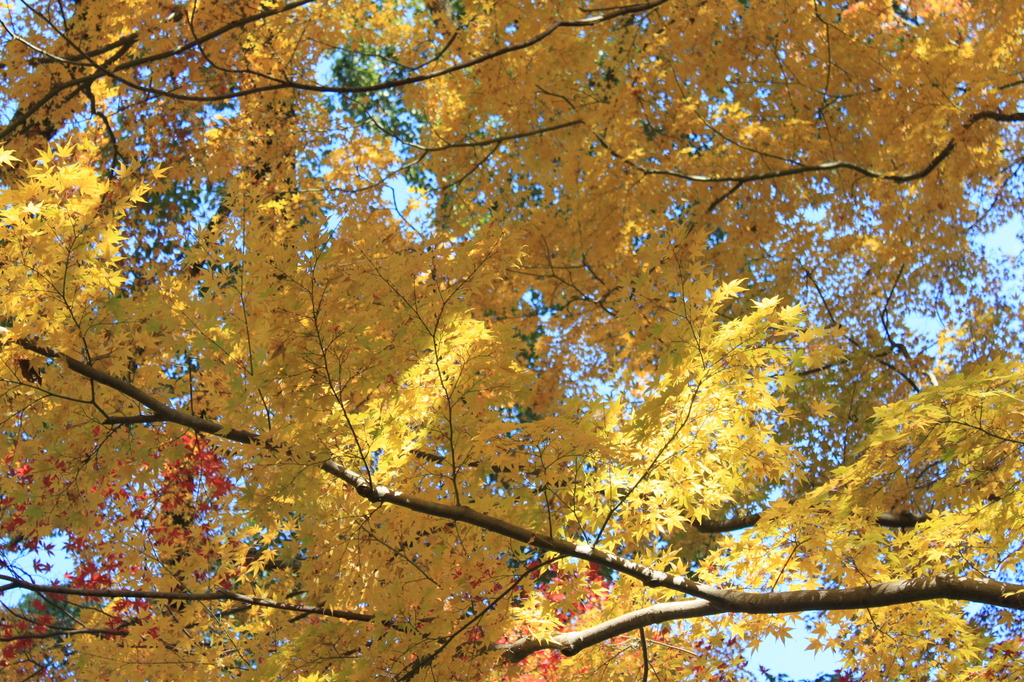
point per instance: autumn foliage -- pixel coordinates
(509, 340)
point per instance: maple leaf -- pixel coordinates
(7, 158)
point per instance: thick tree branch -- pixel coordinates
(978, 590)
(903, 519)
(652, 578)
(164, 412)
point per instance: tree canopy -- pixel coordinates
(509, 340)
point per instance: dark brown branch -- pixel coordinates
(460, 513)
(982, 429)
(277, 83)
(801, 169)
(134, 419)
(903, 519)
(218, 595)
(647, 660)
(823, 368)
(498, 140)
(159, 409)
(99, 632)
(977, 590)
(727, 525)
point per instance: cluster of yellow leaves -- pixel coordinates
(61, 244)
(646, 269)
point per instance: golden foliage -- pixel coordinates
(415, 340)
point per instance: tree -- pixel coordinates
(418, 340)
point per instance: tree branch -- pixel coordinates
(978, 590)
(218, 595)
(902, 519)
(100, 632)
(801, 169)
(164, 412)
